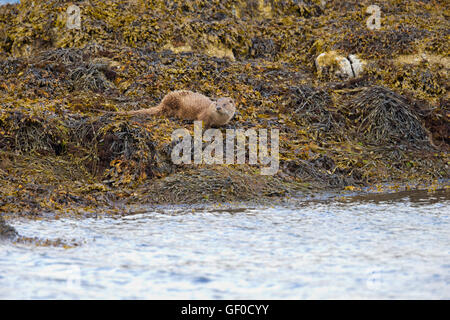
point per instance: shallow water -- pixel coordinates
(378, 246)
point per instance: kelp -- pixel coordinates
(383, 117)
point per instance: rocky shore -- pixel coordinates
(388, 123)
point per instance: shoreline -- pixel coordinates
(130, 205)
(386, 192)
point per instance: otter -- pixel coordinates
(188, 105)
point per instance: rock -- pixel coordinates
(357, 64)
(334, 64)
(6, 231)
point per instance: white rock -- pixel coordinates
(344, 68)
(357, 64)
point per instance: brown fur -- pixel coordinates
(188, 105)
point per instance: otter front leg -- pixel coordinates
(206, 124)
(206, 119)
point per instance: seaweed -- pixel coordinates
(27, 132)
(384, 118)
(59, 152)
(311, 107)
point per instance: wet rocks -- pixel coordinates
(6, 232)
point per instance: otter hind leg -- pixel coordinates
(171, 105)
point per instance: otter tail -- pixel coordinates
(142, 112)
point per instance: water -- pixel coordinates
(388, 247)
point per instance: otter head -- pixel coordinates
(225, 106)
